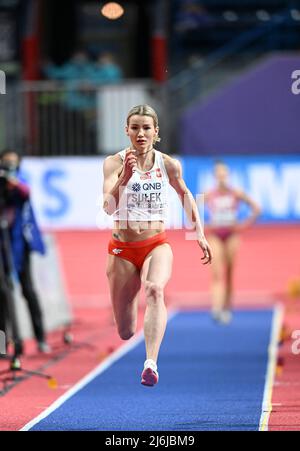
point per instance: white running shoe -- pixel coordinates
(225, 316)
(222, 316)
(150, 373)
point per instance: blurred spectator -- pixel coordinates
(25, 238)
(106, 70)
(81, 76)
(191, 16)
(76, 73)
(195, 60)
(75, 127)
(81, 69)
(78, 68)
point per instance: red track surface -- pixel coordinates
(285, 414)
(268, 259)
(31, 397)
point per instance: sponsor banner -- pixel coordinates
(273, 182)
(67, 192)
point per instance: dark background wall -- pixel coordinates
(255, 114)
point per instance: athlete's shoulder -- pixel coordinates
(171, 163)
(237, 193)
(112, 162)
(209, 194)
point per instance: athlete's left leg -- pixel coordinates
(157, 268)
(231, 248)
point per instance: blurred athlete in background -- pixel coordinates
(222, 203)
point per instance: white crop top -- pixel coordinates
(145, 196)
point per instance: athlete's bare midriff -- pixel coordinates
(127, 231)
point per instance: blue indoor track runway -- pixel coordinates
(212, 377)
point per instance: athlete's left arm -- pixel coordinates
(174, 170)
(255, 209)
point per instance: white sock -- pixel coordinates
(149, 363)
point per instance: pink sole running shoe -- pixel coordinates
(149, 377)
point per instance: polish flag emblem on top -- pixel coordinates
(158, 172)
(146, 176)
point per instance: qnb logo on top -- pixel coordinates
(151, 186)
(2, 82)
(296, 84)
(136, 187)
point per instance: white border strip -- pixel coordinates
(271, 370)
(90, 376)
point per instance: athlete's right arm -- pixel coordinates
(116, 176)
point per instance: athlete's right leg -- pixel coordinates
(124, 284)
(217, 270)
(158, 274)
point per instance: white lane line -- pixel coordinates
(271, 369)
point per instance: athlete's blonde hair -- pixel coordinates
(145, 110)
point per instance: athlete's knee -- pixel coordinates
(229, 264)
(154, 291)
(217, 275)
(126, 333)
(109, 271)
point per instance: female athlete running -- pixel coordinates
(135, 193)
